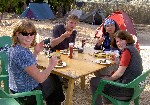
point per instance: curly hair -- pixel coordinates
(124, 35)
(23, 26)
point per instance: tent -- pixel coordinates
(80, 4)
(95, 17)
(38, 11)
(122, 19)
(124, 22)
(76, 12)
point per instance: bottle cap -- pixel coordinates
(70, 44)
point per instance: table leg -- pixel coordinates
(70, 92)
(83, 82)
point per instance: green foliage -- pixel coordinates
(63, 5)
(10, 6)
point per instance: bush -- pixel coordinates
(11, 6)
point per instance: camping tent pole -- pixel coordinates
(93, 18)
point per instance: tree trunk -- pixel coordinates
(1, 17)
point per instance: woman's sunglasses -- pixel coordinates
(27, 34)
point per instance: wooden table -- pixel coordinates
(79, 66)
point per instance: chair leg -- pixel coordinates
(120, 103)
(136, 101)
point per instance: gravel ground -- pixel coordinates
(83, 97)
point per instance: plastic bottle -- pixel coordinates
(70, 50)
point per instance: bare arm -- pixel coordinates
(40, 77)
(100, 40)
(56, 41)
(38, 48)
(117, 74)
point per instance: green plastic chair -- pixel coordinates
(3, 63)
(137, 84)
(5, 43)
(5, 40)
(10, 99)
(4, 83)
(4, 71)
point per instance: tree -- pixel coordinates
(9, 5)
(61, 6)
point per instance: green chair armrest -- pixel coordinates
(8, 101)
(37, 93)
(22, 94)
(4, 78)
(104, 82)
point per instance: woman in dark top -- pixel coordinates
(130, 67)
(104, 42)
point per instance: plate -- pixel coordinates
(98, 51)
(75, 49)
(99, 55)
(64, 52)
(103, 61)
(63, 65)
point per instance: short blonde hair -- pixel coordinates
(23, 26)
(73, 17)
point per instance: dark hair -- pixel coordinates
(124, 35)
(116, 28)
(113, 42)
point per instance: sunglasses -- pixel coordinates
(27, 34)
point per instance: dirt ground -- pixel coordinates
(83, 97)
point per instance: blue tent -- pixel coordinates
(38, 11)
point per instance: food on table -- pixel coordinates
(59, 63)
(100, 55)
(75, 48)
(65, 51)
(80, 50)
(102, 60)
(99, 51)
(58, 56)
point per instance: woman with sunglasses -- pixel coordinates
(23, 72)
